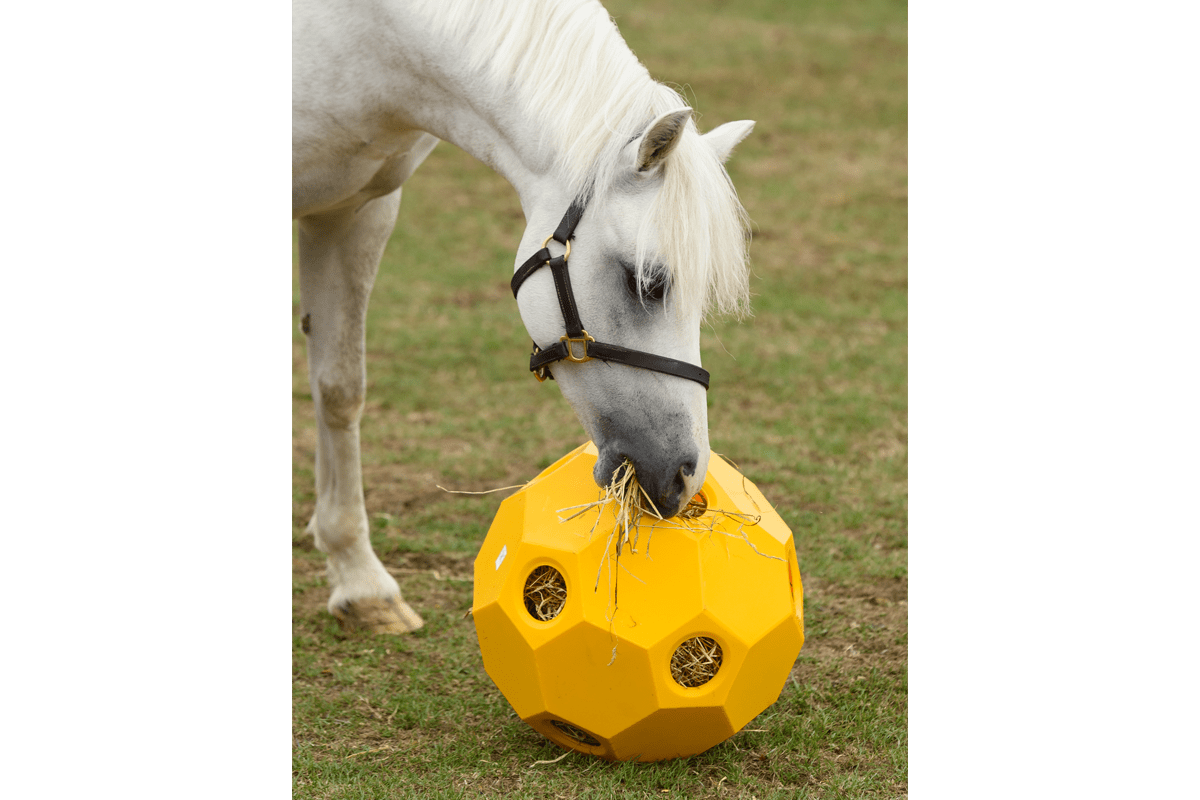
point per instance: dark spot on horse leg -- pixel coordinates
(305, 326)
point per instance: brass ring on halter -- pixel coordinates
(567, 254)
(542, 373)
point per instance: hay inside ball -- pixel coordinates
(696, 661)
(545, 593)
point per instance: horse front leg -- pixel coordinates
(339, 258)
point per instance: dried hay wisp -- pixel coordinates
(632, 505)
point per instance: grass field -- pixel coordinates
(809, 398)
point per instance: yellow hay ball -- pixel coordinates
(618, 634)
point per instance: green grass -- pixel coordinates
(809, 398)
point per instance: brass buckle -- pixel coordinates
(583, 342)
(567, 254)
(542, 373)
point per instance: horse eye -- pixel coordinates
(652, 291)
(656, 290)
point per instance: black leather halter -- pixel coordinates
(577, 346)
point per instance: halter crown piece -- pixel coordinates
(577, 345)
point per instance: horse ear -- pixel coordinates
(660, 139)
(724, 138)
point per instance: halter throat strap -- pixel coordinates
(577, 345)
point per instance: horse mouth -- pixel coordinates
(662, 493)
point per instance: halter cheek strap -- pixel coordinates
(577, 345)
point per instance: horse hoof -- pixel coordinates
(376, 615)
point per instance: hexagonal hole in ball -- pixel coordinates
(696, 661)
(545, 593)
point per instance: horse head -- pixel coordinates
(661, 241)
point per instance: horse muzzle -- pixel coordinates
(669, 476)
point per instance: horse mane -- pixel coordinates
(590, 96)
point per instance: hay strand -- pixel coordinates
(486, 491)
(552, 760)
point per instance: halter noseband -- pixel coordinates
(578, 346)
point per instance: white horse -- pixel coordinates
(547, 94)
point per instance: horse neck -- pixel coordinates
(494, 129)
(505, 125)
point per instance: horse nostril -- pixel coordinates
(688, 469)
(675, 496)
(677, 485)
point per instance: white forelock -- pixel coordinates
(570, 68)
